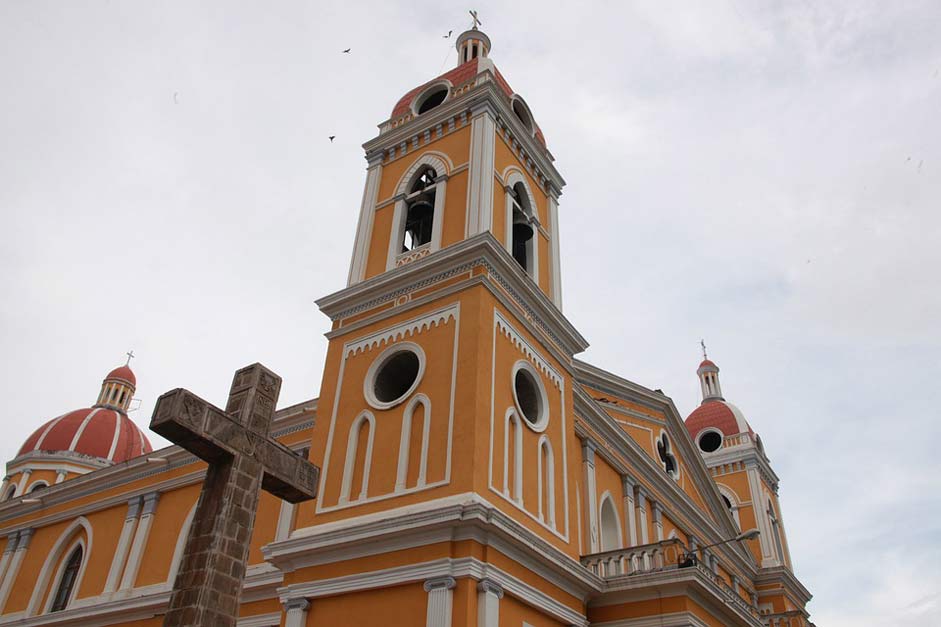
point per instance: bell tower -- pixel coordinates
(460, 155)
(448, 378)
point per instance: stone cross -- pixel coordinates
(242, 460)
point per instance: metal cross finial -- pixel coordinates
(130, 356)
(703, 344)
(476, 21)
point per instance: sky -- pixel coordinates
(764, 175)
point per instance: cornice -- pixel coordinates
(479, 250)
(788, 580)
(652, 474)
(485, 92)
(462, 516)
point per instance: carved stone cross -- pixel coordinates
(242, 459)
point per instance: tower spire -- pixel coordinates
(709, 377)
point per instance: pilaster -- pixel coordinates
(364, 226)
(440, 596)
(489, 594)
(591, 493)
(140, 540)
(23, 538)
(295, 612)
(480, 184)
(124, 544)
(629, 511)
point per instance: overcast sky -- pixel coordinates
(764, 175)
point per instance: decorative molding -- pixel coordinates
(406, 329)
(500, 322)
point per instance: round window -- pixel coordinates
(710, 441)
(530, 396)
(394, 375)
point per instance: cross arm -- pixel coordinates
(211, 434)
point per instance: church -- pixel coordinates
(473, 471)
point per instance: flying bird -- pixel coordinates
(347, 51)
(448, 36)
(331, 138)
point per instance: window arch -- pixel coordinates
(38, 485)
(730, 501)
(406, 444)
(611, 537)
(65, 589)
(523, 114)
(513, 457)
(419, 208)
(11, 493)
(358, 456)
(51, 575)
(546, 481)
(522, 222)
(431, 97)
(177, 558)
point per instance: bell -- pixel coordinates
(522, 230)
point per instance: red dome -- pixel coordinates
(124, 373)
(717, 414)
(93, 431)
(707, 363)
(458, 76)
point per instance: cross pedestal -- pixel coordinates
(243, 459)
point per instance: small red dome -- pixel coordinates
(94, 431)
(124, 373)
(458, 76)
(707, 363)
(717, 414)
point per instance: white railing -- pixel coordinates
(639, 559)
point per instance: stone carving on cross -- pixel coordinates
(243, 459)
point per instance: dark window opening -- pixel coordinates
(522, 229)
(474, 52)
(420, 214)
(666, 457)
(727, 502)
(396, 376)
(67, 582)
(433, 100)
(523, 116)
(710, 441)
(528, 396)
(36, 487)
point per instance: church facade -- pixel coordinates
(473, 470)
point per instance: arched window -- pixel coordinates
(667, 458)
(776, 532)
(513, 457)
(546, 482)
(39, 485)
(358, 457)
(66, 586)
(420, 210)
(523, 228)
(413, 444)
(610, 525)
(11, 493)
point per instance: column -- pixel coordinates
(24, 536)
(21, 486)
(591, 493)
(12, 539)
(437, 224)
(399, 214)
(489, 594)
(657, 521)
(140, 540)
(640, 499)
(61, 474)
(295, 612)
(629, 514)
(480, 174)
(440, 592)
(367, 211)
(554, 261)
(124, 545)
